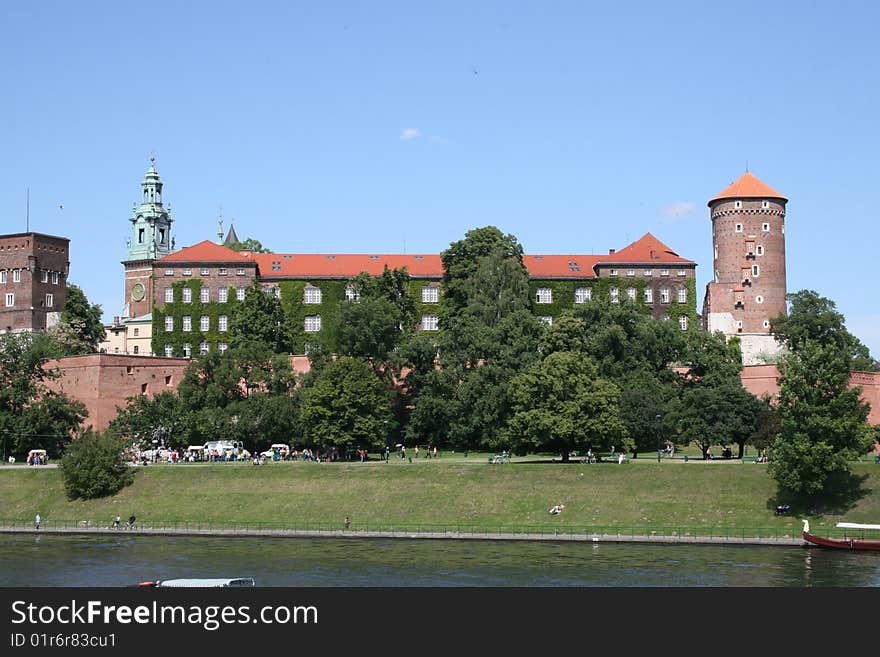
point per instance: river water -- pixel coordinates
(63, 560)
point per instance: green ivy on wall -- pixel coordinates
(196, 310)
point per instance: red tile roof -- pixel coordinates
(748, 186)
(344, 265)
(646, 249)
(206, 251)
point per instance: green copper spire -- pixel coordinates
(150, 222)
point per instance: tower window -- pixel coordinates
(765, 204)
(10, 299)
(737, 205)
(54, 278)
(759, 299)
(759, 250)
(140, 235)
(738, 228)
(2, 276)
(161, 236)
(44, 276)
(756, 270)
(765, 227)
(766, 324)
(16, 275)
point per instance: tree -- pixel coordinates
(144, 419)
(260, 318)
(250, 244)
(822, 423)
(81, 328)
(345, 406)
(815, 318)
(561, 404)
(30, 412)
(644, 405)
(369, 328)
(94, 466)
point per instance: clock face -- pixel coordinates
(137, 292)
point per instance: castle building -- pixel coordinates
(749, 288)
(33, 281)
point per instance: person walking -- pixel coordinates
(37, 521)
(116, 522)
(347, 522)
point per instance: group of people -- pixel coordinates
(129, 525)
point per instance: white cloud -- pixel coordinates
(410, 133)
(678, 211)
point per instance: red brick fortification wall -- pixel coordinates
(762, 379)
(104, 381)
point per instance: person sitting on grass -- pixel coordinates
(556, 510)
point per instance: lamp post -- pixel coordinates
(658, 437)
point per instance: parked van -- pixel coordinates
(277, 452)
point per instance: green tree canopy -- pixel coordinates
(346, 406)
(260, 318)
(561, 404)
(250, 244)
(94, 466)
(32, 415)
(81, 328)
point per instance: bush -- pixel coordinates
(93, 466)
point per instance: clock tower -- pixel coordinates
(150, 240)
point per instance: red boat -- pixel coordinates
(852, 540)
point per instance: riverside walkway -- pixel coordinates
(731, 537)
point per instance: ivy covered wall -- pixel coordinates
(196, 309)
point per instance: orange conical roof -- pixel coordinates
(748, 186)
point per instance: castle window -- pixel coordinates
(136, 331)
(2, 276)
(10, 299)
(546, 319)
(203, 348)
(739, 326)
(187, 351)
(222, 294)
(187, 295)
(169, 295)
(613, 272)
(430, 294)
(664, 295)
(54, 278)
(169, 272)
(766, 324)
(682, 295)
(683, 322)
(187, 271)
(44, 276)
(583, 294)
(544, 295)
(630, 272)
(222, 271)
(169, 324)
(765, 227)
(649, 295)
(738, 228)
(664, 272)
(614, 292)
(204, 323)
(50, 300)
(737, 205)
(16, 275)
(204, 271)
(222, 347)
(169, 351)
(161, 236)
(205, 294)
(765, 204)
(631, 293)
(429, 322)
(649, 272)
(756, 270)
(352, 295)
(187, 323)
(759, 299)
(239, 271)
(222, 323)
(312, 295)
(759, 250)
(239, 294)
(140, 235)
(135, 349)
(312, 323)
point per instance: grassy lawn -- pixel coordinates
(447, 491)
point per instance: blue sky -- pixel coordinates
(396, 127)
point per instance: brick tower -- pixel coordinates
(748, 236)
(150, 240)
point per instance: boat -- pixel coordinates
(201, 583)
(852, 540)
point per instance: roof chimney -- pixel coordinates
(611, 251)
